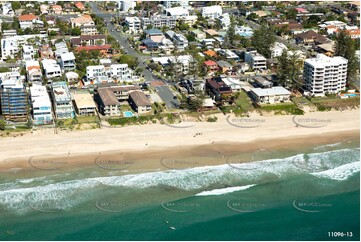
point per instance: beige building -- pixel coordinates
(139, 102)
(84, 104)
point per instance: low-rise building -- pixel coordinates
(270, 95)
(133, 24)
(29, 21)
(67, 61)
(56, 9)
(41, 105)
(225, 67)
(198, 34)
(118, 72)
(33, 72)
(212, 12)
(86, 40)
(177, 12)
(88, 30)
(81, 21)
(84, 104)
(277, 49)
(210, 66)
(217, 89)
(139, 102)
(179, 40)
(62, 102)
(28, 52)
(51, 68)
(159, 21)
(255, 60)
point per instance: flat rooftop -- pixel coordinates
(83, 100)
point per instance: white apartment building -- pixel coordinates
(10, 46)
(277, 49)
(177, 12)
(159, 21)
(212, 12)
(62, 101)
(180, 3)
(41, 105)
(126, 5)
(324, 74)
(61, 48)
(7, 9)
(28, 52)
(224, 20)
(133, 24)
(255, 60)
(120, 72)
(51, 68)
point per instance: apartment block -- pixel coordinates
(255, 60)
(41, 105)
(62, 102)
(159, 21)
(324, 74)
(13, 97)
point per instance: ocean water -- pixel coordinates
(313, 195)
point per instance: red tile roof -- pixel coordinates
(93, 47)
(27, 17)
(210, 63)
(79, 5)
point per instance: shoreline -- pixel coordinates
(204, 138)
(138, 161)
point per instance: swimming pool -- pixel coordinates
(351, 94)
(128, 114)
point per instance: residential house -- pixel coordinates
(67, 61)
(41, 105)
(244, 31)
(180, 3)
(270, 95)
(118, 72)
(44, 9)
(86, 40)
(81, 21)
(62, 101)
(139, 102)
(29, 21)
(277, 49)
(84, 104)
(153, 32)
(79, 5)
(217, 89)
(324, 74)
(46, 52)
(149, 45)
(225, 67)
(210, 66)
(104, 49)
(179, 40)
(51, 68)
(28, 52)
(198, 34)
(127, 5)
(33, 72)
(310, 37)
(56, 9)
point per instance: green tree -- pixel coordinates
(130, 60)
(15, 5)
(289, 70)
(231, 33)
(263, 39)
(2, 124)
(345, 47)
(291, 13)
(75, 31)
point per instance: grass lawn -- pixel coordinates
(328, 103)
(282, 108)
(244, 102)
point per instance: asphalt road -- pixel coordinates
(122, 40)
(167, 96)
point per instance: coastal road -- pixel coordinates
(167, 96)
(123, 42)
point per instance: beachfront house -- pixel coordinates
(270, 95)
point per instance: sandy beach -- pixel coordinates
(212, 139)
